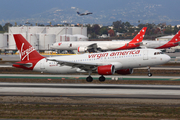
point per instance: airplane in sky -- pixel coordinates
(103, 63)
(81, 14)
(94, 46)
(175, 41)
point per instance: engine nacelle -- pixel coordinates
(124, 71)
(82, 49)
(106, 70)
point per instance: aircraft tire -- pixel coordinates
(89, 79)
(149, 74)
(102, 78)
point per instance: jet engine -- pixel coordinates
(125, 71)
(106, 70)
(82, 49)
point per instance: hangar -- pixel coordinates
(42, 37)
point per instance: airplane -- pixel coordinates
(81, 14)
(103, 63)
(94, 46)
(175, 41)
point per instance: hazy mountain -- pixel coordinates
(104, 11)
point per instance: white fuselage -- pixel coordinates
(107, 45)
(120, 59)
(104, 45)
(153, 44)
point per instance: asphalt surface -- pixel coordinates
(90, 90)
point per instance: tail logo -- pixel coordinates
(26, 53)
(59, 44)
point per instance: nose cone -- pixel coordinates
(167, 58)
(53, 46)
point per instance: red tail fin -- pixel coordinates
(176, 38)
(26, 51)
(139, 37)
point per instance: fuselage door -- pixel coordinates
(145, 55)
(42, 66)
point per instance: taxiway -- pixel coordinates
(91, 90)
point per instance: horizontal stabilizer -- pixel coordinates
(177, 43)
(140, 43)
(23, 64)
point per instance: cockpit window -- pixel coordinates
(158, 53)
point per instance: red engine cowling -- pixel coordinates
(124, 71)
(106, 70)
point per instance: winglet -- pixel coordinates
(139, 37)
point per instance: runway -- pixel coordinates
(90, 90)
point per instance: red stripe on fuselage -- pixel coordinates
(167, 45)
(128, 46)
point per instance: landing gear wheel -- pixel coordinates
(89, 79)
(149, 74)
(102, 78)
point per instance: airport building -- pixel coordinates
(41, 38)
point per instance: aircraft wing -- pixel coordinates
(94, 47)
(81, 14)
(80, 65)
(89, 13)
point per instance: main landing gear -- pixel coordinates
(90, 79)
(102, 78)
(149, 73)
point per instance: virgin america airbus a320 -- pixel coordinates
(104, 63)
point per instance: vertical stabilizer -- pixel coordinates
(139, 37)
(176, 38)
(26, 51)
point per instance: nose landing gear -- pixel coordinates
(149, 73)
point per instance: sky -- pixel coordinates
(11, 9)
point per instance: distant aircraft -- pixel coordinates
(94, 46)
(175, 41)
(104, 63)
(81, 14)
